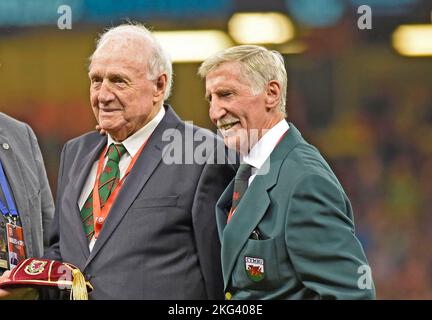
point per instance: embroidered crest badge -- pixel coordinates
(35, 267)
(254, 268)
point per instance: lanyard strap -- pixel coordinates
(6, 191)
(100, 214)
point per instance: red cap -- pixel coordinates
(43, 272)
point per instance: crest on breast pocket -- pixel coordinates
(254, 268)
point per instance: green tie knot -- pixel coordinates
(115, 152)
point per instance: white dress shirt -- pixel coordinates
(132, 145)
(261, 151)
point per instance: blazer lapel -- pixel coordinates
(245, 219)
(253, 205)
(223, 207)
(20, 190)
(146, 163)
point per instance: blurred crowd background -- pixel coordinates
(362, 96)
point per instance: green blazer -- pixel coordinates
(307, 248)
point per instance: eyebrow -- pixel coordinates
(109, 75)
(219, 91)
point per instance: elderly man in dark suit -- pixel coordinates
(136, 224)
(286, 224)
(30, 205)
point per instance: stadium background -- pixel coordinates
(366, 105)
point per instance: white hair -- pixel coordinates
(258, 66)
(159, 60)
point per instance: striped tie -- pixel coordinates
(108, 181)
(241, 182)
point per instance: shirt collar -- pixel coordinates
(264, 147)
(135, 141)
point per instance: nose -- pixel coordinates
(105, 95)
(216, 111)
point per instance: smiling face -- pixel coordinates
(241, 115)
(122, 97)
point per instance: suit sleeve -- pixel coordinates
(327, 256)
(214, 178)
(53, 252)
(47, 203)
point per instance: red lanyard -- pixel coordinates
(99, 215)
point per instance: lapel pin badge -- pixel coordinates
(5, 146)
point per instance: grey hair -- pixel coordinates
(258, 66)
(159, 61)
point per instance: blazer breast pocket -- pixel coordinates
(257, 266)
(155, 202)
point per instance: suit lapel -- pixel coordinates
(83, 171)
(223, 207)
(19, 189)
(144, 167)
(253, 205)
(84, 168)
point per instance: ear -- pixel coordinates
(160, 85)
(273, 93)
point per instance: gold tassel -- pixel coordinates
(79, 288)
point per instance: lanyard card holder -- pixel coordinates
(16, 247)
(14, 233)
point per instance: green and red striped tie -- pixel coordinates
(108, 180)
(241, 183)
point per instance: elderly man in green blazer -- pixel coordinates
(285, 222)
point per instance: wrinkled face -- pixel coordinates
(237, 112)
(122, 98)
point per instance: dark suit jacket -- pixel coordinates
(24, 167)
(160, 239)
(307, 249)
